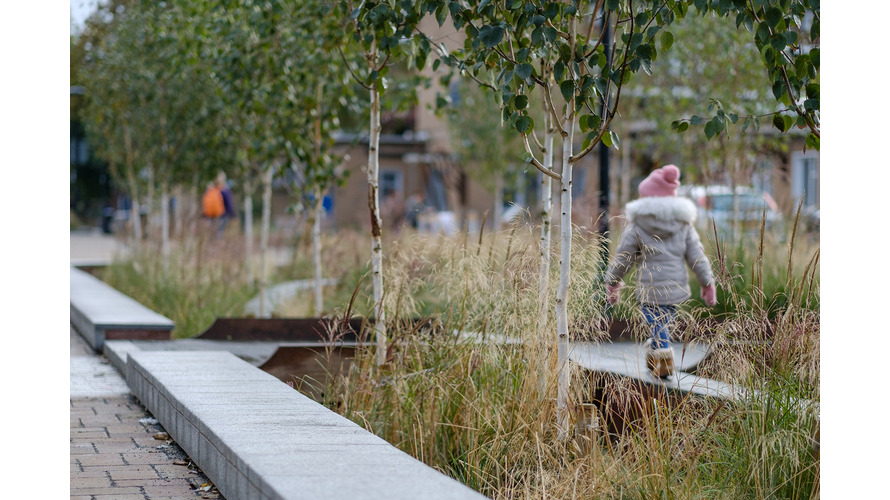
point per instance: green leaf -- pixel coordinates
(602, 85)
(645, 51)
(441, 14)
(613, 139)
(762, 34)
(667, 39)
(559, 70)
(491, 35)
(594, 122)
(812, 90)
(523, 71)
(567, 88)
(551, 10)
(520, 101)
(696, 120)
(812, 142)
(607, 139)
(524, 124)
(682, 127)
(537, 36)
(779, 89)
(779, 123)
(550, 34)
(773, 16)
(789, 122)
(522, 55)
(710, 130)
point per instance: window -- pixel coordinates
(392, 182)
(810, 182)
(805, 178)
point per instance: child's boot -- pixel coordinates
(660, 361)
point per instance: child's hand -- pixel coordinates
(709, 294)
(612, 294)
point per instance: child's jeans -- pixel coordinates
(659, 319)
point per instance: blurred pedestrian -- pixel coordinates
(213, 206)
(228, 203)
(660, 240)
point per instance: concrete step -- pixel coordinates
(255, 437)
(100, 312)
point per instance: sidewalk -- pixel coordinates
(118, 451)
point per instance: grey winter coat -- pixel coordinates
(660, 240)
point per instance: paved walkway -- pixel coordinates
(118, 451)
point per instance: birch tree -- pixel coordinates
(382, 32)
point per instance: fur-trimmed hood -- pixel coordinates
(661, 241)
(661, 215)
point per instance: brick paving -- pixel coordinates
(118, 450)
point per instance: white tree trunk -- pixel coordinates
(136, 220)
(498, 216)
(376, 227)
(176, 214)
(565, 270)
(265, 226)
(165, 224)
(736, 209)
(248, 235)
(546, 226)
(316, 253)
(544, 271)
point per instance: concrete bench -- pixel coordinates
(257, 438)
(100, 312)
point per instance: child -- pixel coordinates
(660, 240)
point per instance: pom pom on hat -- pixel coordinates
(661, 182)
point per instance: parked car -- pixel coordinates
(715, 207)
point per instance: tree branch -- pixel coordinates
(534, 161)
(351, 72)
(552, 110)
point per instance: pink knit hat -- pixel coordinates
(663, 181)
